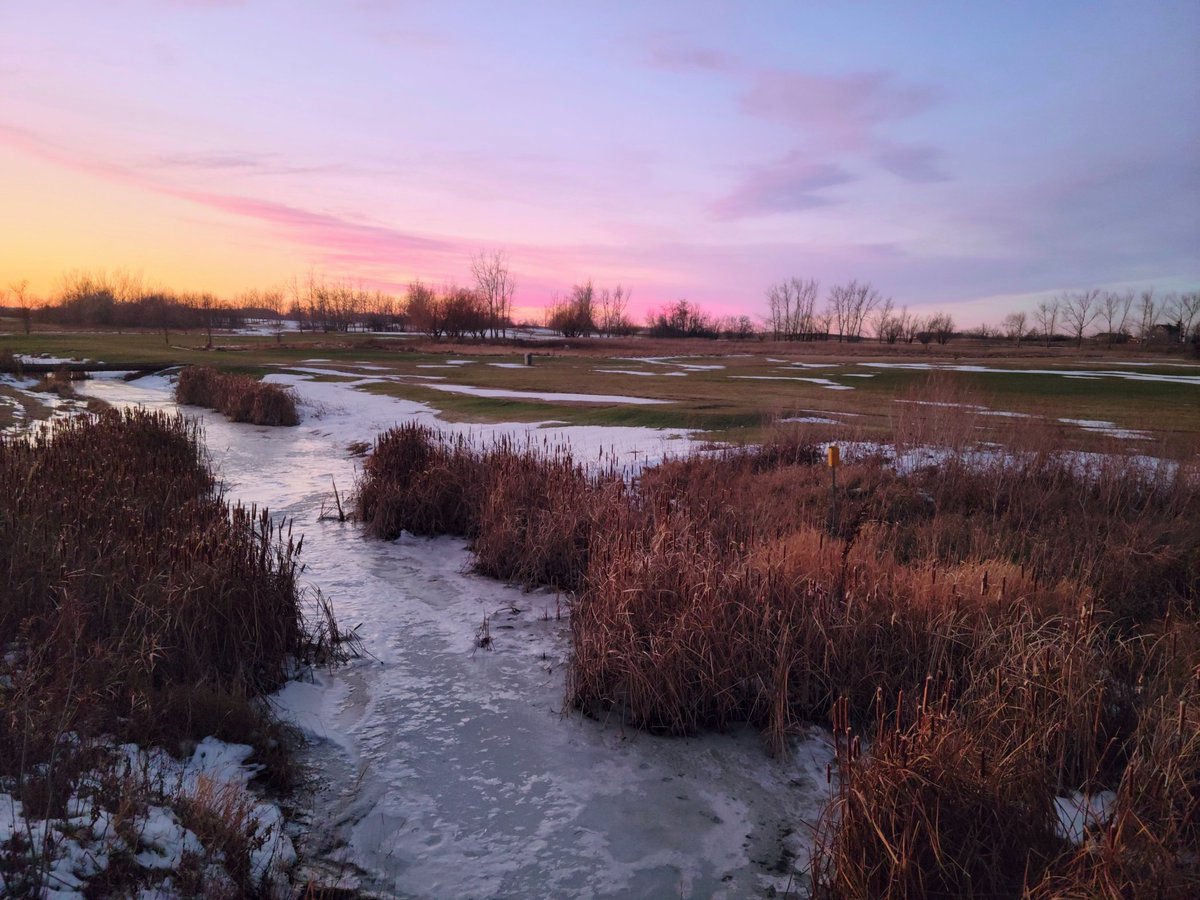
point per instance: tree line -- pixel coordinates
(1111, 317)
(851, 311)
(795, 311)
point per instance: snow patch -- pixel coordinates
(548, 396)
(823, 382)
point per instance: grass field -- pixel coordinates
(726, 388)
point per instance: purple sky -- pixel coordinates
(968, 156)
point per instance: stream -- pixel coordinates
(440, 768)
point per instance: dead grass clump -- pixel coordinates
(529, 510)
(1127, 531)
(933, 810)
(537, 518)
(1148, 846)
(59, 382)
(224, 816)
(139, 607)
(420, 480)
(138, 603)
(238, 397)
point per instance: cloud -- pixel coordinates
(234, 162)
(837, 111)
(209, 161)
(339, 239)
(788, 185)
(336, 240)
(829, 118)
(679, 58)
(914, 163)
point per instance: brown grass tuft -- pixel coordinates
(238, 397)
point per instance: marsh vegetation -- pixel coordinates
(140, 610)
(990, 637)
(240, 398)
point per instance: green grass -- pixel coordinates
(710, 400)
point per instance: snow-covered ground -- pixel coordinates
(57, 406)
(443, 769)
(823, 382)
(80, 845)
(551, 396)
(1067, 373)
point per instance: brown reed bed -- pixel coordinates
(239, 398)
(1049, 602)
(138, 606)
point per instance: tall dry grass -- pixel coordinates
(137, 604)
(239, 398)
(986, 631)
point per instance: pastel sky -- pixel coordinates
(967, 156)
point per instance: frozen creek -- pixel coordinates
(445, 770)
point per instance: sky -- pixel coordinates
(967, 156)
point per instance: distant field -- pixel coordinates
(1150, 402)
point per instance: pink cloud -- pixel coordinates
(837, 110)
(339, 239)
(792, 183)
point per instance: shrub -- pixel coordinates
(421, 481)
(238, 397)
(139, 604)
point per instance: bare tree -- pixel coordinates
(941, 327)
(850, 304)
(613, 306)
(423, 309)
(790, 305)
(1189, 311)
(1180, 310)
(1079, 310)
(780, 303)
(1046, 317)
(882, 318)
(736, 328)
(1016, 324)
(909, 325)
(496, 285)
(576, 315)
(1147, 314)
(19, 289)
(681, 319)
(1114, 309)
(896, 327)
(983, 331)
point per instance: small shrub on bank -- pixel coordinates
(59, 382)
(421, 481)
(239, 398)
